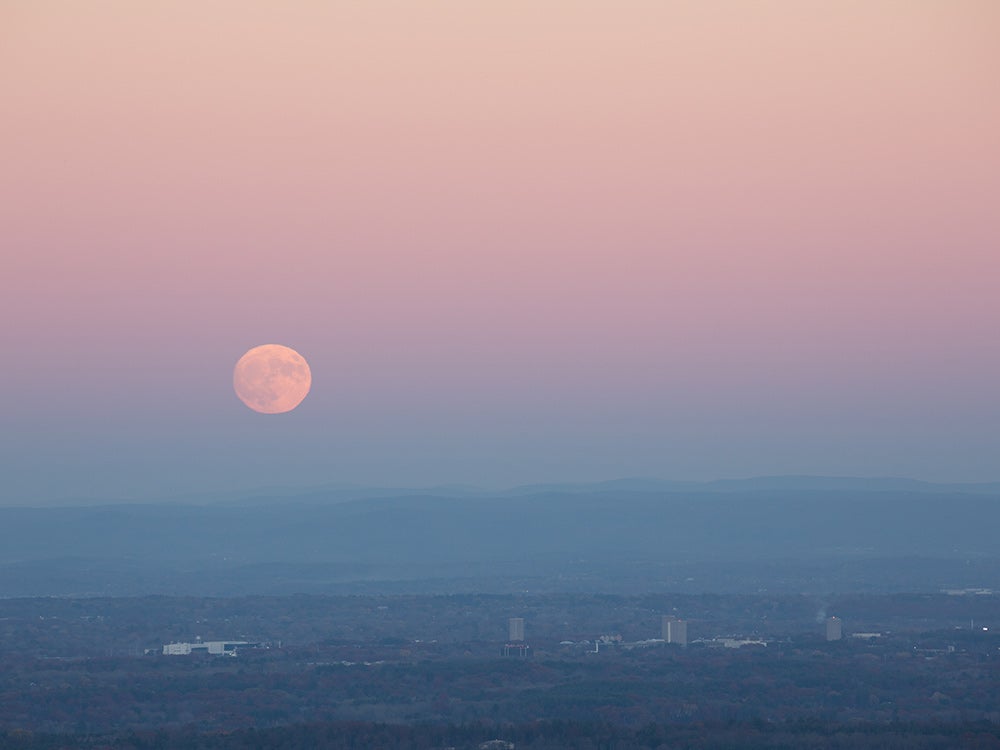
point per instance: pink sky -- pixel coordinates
(516, 241)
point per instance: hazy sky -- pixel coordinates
(516, 241)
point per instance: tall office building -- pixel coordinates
(834, 629)
(515, 629)
(674, 630)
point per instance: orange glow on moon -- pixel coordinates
(272, 379)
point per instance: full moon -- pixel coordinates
(272, 379)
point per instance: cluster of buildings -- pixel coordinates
(673, 630)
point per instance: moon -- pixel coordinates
(272, 379)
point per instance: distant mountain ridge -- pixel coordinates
(341, 492)
(142, 548)
(780, 483)
(666, 525)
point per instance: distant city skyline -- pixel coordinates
(516, 242)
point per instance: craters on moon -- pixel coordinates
(272, 379)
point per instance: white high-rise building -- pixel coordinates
(834, 629)
(515, 629)
(675, 630)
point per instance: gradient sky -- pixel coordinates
(517, 241)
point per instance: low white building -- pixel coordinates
(218, 648)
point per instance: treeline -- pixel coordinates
(847, 682)
(554, 735)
